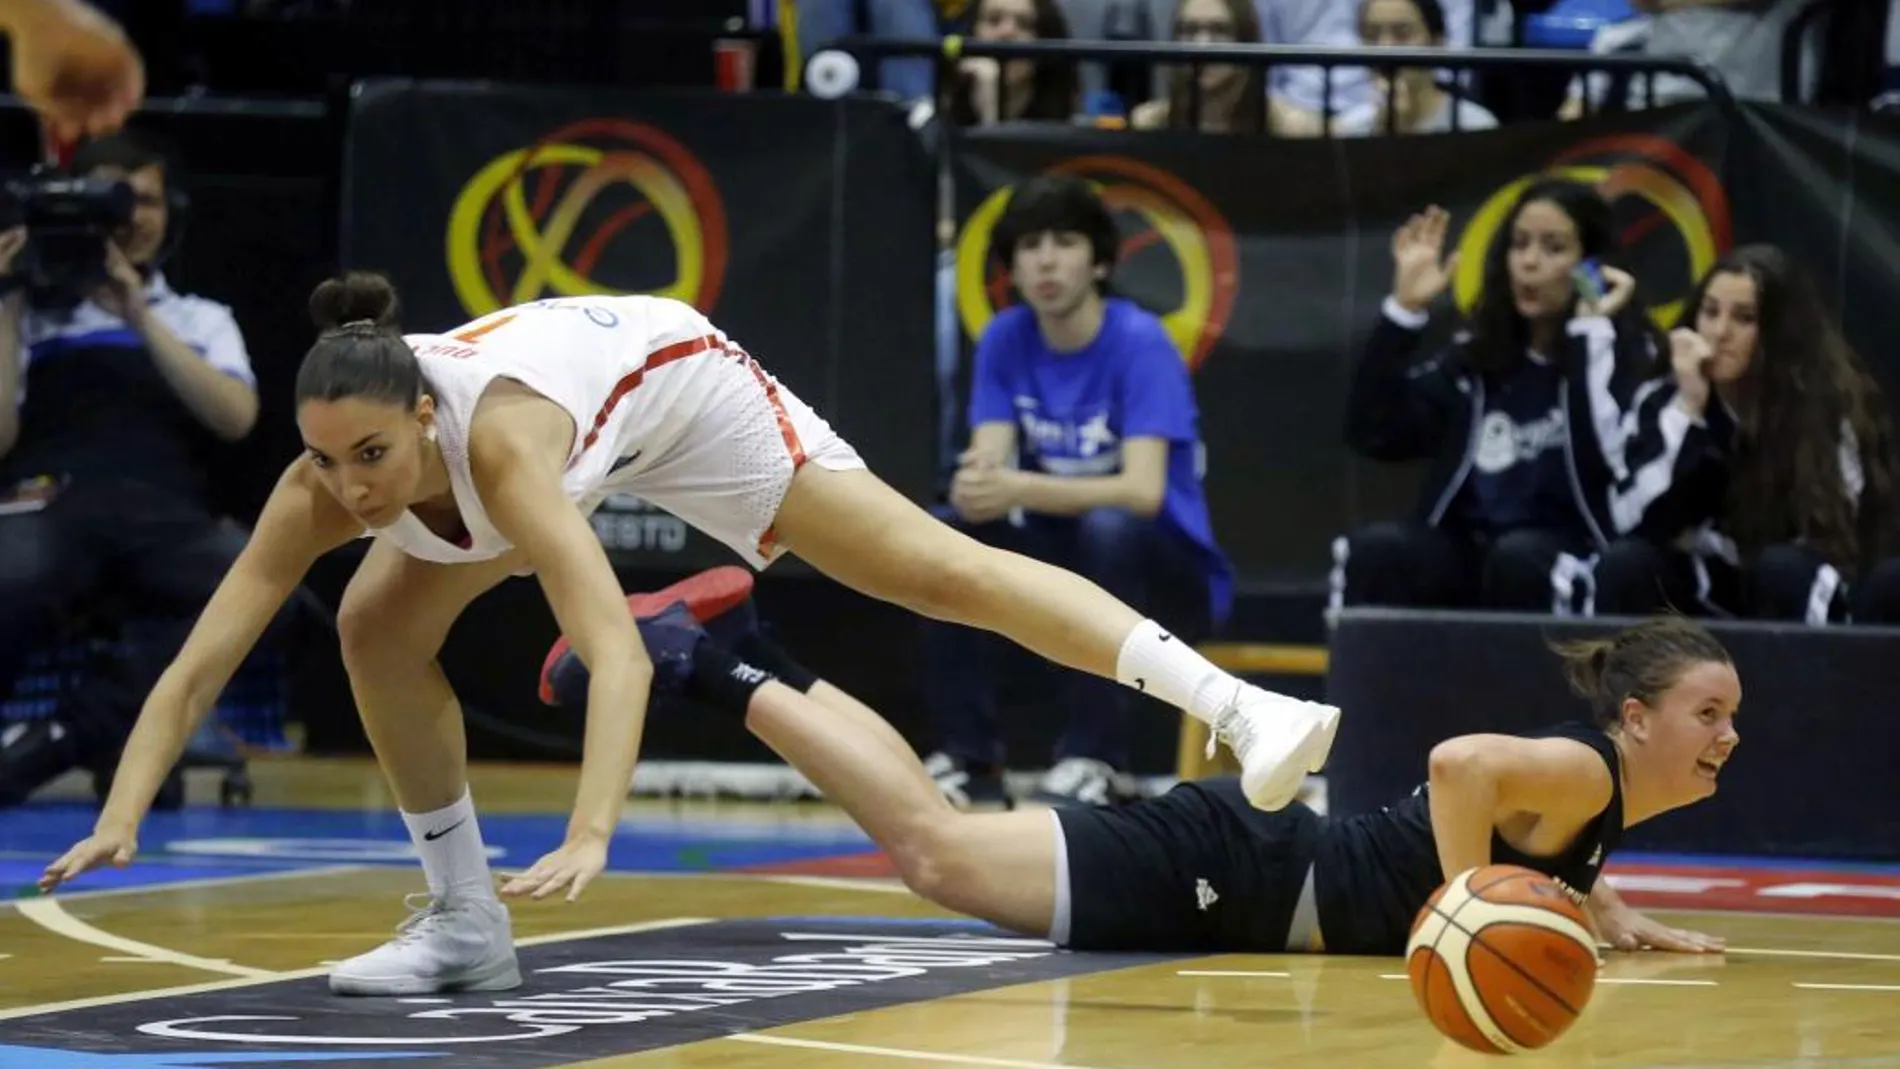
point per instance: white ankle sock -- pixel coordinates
(454, 860)
(1155, 662)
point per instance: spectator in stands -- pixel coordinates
(1521, 417)
(1740, 39)
(1408, 100)
(1089, 392)
(1783, 503)
(990, 92)
(1225, 97)
(103, 406)
(816, 23)
(1300, 103)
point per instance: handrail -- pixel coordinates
(1792, 38)
(952, 48)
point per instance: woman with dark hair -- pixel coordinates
(479, 454)
(1522, 417)
(1198, 870)
(1782, 503)
(1215, 98)
(988, 91)
(1408, 100)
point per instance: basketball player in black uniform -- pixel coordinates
(1199, 869)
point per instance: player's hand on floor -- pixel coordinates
(573, 867)
(117, 848)
(1630, 930)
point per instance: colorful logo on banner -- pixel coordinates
(1672, 189)
(553, 219)
(1173, 213)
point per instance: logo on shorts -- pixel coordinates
(1175, 241)
(1204, 895)
(598, 205)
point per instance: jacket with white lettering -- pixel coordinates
(1402, 407)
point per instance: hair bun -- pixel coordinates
(357, 295)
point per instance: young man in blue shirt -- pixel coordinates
(1090, 398)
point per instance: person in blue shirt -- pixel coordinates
(1091, 399)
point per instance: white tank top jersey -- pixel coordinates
(618, 365)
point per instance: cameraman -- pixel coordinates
(105, 407)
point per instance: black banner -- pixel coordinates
(1268, 259)
(1825, 186)
(802, 228)
(585, 997)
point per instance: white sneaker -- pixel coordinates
(460, 945)
(1277, 739)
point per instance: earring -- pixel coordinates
(429, 432)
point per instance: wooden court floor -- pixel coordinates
(1804, 991)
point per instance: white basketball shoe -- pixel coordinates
(1277, 739)
(453, 945)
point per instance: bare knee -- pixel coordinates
(936, 863)
(373, 637)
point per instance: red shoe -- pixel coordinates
(720, 598)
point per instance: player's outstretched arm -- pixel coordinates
(1479, 781)
(299, 523)
(516, 457)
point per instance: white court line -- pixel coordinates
(898, 1052)
(1850, 987)
(300, 974)
(50, 915)
(205, 881)
(1844, 955)
(1655, 983)
(1229, 972)
(869, 883)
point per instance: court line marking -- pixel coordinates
(1229, 972)
(899, 1052)
(1845, 955)
(50, 915)
(1849, 987)
(203, 881)
(319, 970)
(878, 884)
(1600, 980)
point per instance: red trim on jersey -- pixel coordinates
(655, 359)
(769, 540)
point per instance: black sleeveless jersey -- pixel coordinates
(1374, 871)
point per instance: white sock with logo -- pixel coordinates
(454, 859)
(1155, 662)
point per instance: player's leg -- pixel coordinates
(720, 599)
(757, 469)
(395, 615)
(853, 527)
(1000, 867)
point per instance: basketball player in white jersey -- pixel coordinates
(466, 455)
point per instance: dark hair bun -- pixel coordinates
(358, 295)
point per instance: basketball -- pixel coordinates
(1501, 959)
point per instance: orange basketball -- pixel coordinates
(1501, 959)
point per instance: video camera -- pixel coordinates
(68, 221)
